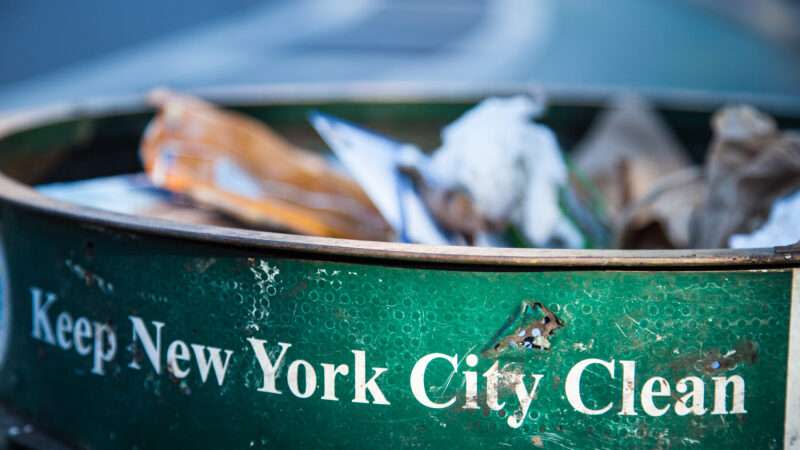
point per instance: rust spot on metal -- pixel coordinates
(89, 250)
(529, 328)
(715, 361)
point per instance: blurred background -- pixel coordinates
(64, 51)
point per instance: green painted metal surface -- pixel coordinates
(403, 354)
(626, 327)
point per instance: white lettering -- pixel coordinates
(214, 360)
(63, 328)
(329, 374)
(103, 334)
(178, 351)
(371, 385)
(471, 382)
(310, 384)
(654, 387)
(572, 386)
(525, 398)
(418, 387)
(268, 368)
(721, 395)
(83, 330)
(697, 397)
(628, 386)
(153, 351)
(41, 323)
(492, 378)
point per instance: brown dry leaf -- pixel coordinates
(241, 167)
(750, 165)
(633, 158)
(661, 220)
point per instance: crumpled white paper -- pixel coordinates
(512, 167)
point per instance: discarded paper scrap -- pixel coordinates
(644, 175)
(241, 167)
(751, 164)
(134, 194)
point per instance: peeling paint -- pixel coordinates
(90, 278)
(265, 274)
(583, 347)
(267, 279)
(530, 327)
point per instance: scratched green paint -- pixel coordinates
(668, 322)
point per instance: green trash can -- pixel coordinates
(128, 332)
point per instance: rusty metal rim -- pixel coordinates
(16, 193)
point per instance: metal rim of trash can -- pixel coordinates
(20, 195)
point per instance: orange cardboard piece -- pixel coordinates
(241, 167)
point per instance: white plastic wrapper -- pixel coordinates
(512, 167)
(126, 194)
(372, 160)
(132, 194)
(781, 228)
